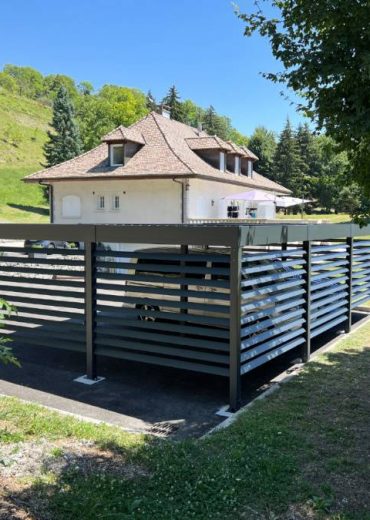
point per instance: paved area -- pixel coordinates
(137, 397)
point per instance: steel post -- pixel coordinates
(235, 327)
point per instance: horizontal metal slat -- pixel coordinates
(329, 247)
(264, 347)
(272, 277)
(269, 334)
(329, 308)
(162, 349)
(43, 291)
(269, 322)
(165, 269)
(327, 266)
(107, 318)
(248, 318)
(329, 317)
(156, 360)
(273, 266)
(173, 304)
(167, 280)
(188, 257)
(276, 287)
(258, 361)
(40, 261)
(331, 297)
(359, 301)
(329, 325)
(40, 250)
(29, 298)
(329, 274)
(198, 343)
(254, 257)
(271, 299)
(317, 285)
(43, 281)
(173, 316)
(165, 291)
(25, 338)
(35, 271)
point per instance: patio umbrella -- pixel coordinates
(253, 196)
(286, 202)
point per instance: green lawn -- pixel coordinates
(327, 217)
(300, 454)
(21, 202)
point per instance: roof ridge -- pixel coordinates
(169, 146)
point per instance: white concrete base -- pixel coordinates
(87, 381)
(224, 411)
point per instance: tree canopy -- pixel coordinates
(324, 48)
(64, 141)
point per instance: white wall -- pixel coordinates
(205, 198)
(141, 201)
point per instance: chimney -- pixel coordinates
(200, 128)
(166, 111)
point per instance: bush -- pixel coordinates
(6, 354)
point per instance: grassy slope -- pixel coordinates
(300, 454)
(23, 126)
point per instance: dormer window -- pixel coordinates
(222, 161)
(117, 155)
(250, 169)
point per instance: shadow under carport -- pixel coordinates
(137, 396)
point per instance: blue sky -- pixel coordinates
(151, 44)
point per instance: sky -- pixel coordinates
(198, 45)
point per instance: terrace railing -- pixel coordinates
(219, 299)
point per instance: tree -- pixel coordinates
(263, 144)
(287, 162)
(324, 48)
(173, 101)
(94, 119)
(8, 83)
(64, 141)
(29, 81)
(127, 105)
(151, 104)
(85, 88)
(53, 82)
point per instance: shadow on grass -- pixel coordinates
(304, 447)
(30, 209)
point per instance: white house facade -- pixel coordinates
(158, 171)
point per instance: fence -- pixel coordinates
(221, 299)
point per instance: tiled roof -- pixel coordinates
(236, 149)
(166, 153)
(208, 143)
(250, 154)
(124, 134)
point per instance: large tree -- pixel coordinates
(324, 48)
(173, 101)
(64, 140)
(287, 163)
(263, 143)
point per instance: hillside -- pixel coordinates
(23, 126)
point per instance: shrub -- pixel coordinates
(6, 354)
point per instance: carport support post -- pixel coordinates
(349, 282)
(90, 309)
(235, 326)
(306, 348)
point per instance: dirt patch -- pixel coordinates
(34, 459)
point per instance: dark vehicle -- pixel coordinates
(45, 244)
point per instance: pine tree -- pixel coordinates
(173, 101)
(263, 144)
(64, 141)
(151, 102)
(287, 162)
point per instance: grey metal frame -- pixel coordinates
(236, 238)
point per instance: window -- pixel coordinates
(237, 165)
(115, 202)
(250, 169)
(116, 154)
(71, 206)
(222, 161)
(100, 202)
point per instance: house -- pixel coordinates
(156, 171)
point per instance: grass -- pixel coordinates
(302, 453)
(21, 202)
(23, 126)
(331, 218)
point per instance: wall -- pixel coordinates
(141, 201)
(201, 194)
